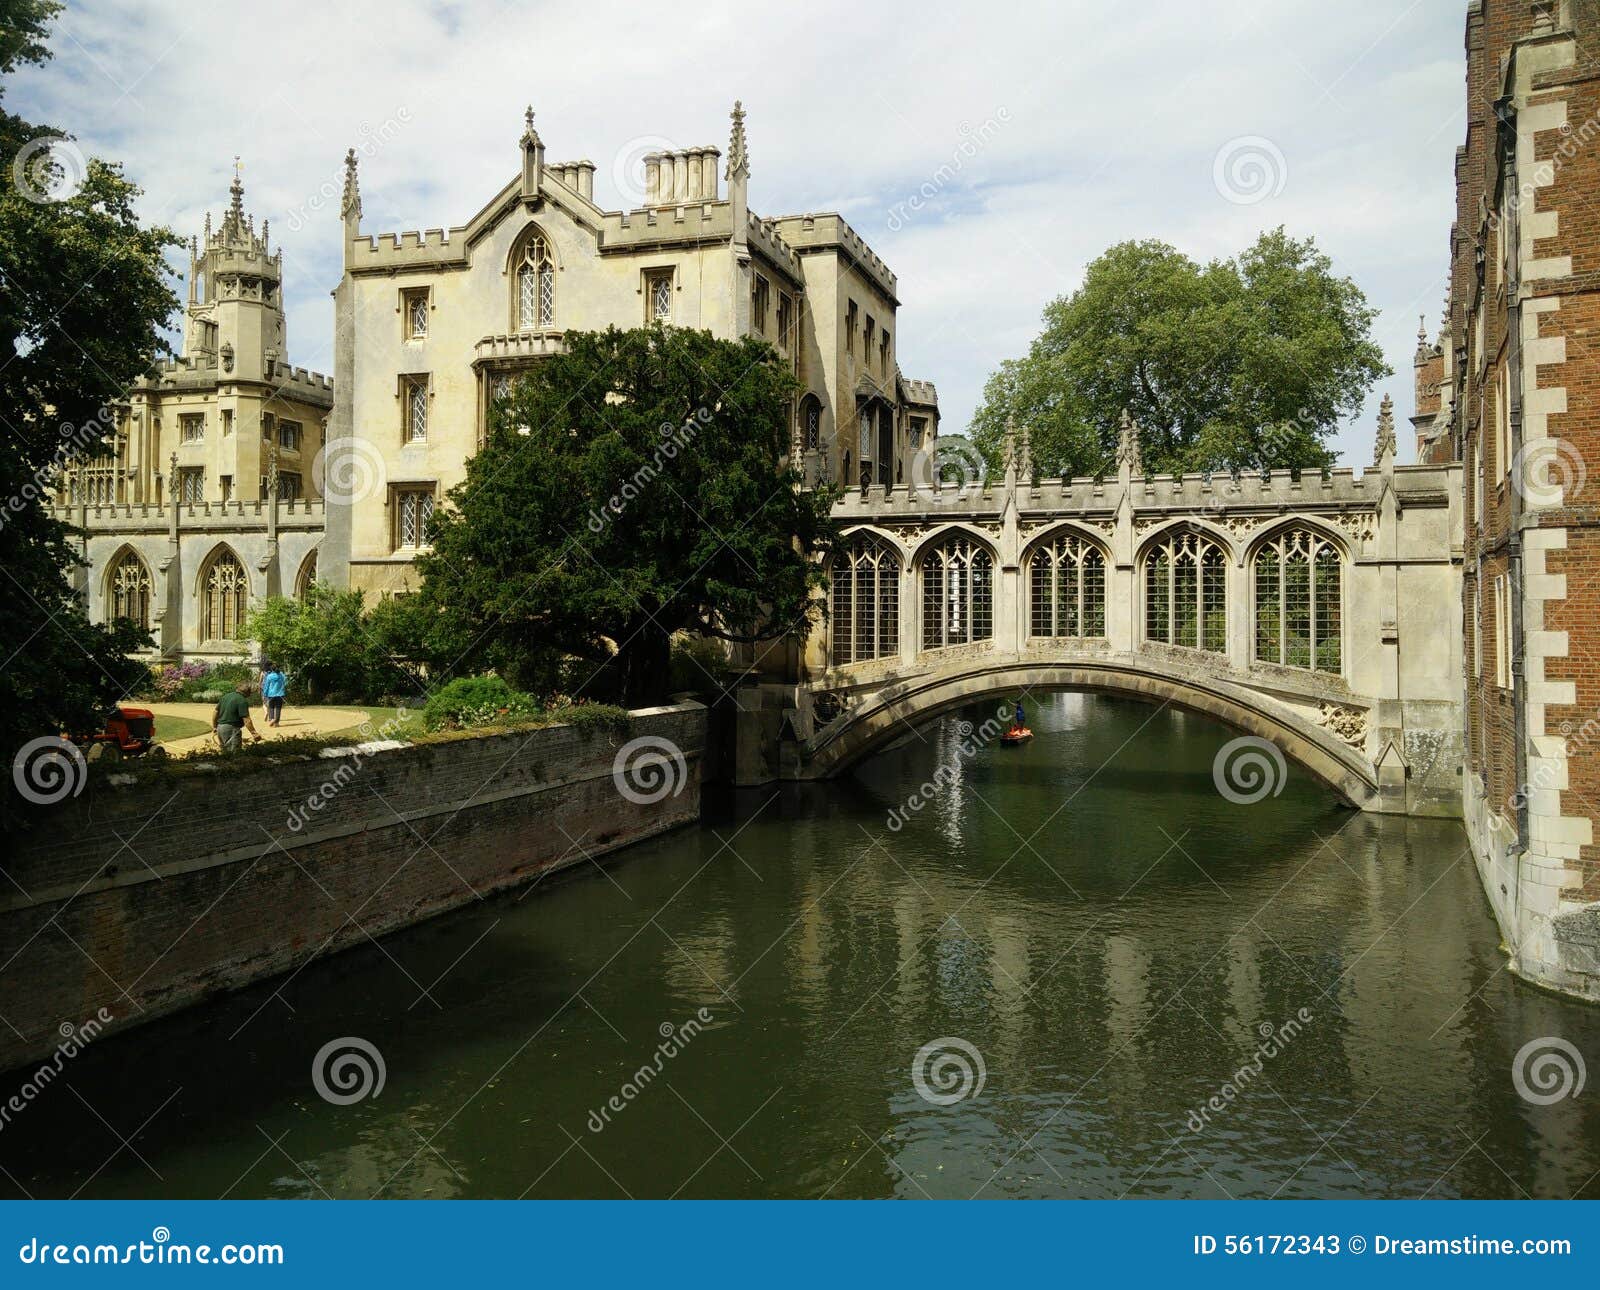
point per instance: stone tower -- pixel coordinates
(234, 315)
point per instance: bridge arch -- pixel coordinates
(879, 718)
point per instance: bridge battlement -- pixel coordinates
(1217, 493)
(1321, 613)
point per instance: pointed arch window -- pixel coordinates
(810, 424)
(1186, 577)
(1298, 597)
(224, 594)
(307, 577)
(864, 602)
(957, 594)
(130, 590)
(536, 285)
(1067, 588)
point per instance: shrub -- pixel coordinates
(197, 682)
(476, 701)
(326, 644)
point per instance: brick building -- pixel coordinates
(1509, 389)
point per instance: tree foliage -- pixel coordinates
(630, 488)
(329, 645)
(1246, 363)
(84, 294)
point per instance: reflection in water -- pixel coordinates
(1114, 939)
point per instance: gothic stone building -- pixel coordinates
(431, 327)
(1510, 389)
(205, 500)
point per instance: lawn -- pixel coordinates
(169, 729)
(398, 726)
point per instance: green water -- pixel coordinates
(1109, 935)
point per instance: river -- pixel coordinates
(1071, 969)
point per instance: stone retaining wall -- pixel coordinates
(141, 898)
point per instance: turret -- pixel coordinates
(532, 158)
(738, 175)
(350, 204)
(235, 310)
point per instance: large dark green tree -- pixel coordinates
(84, 294)
(1245, 363)
(629, 488)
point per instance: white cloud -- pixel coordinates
(1113, 116)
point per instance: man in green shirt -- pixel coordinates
(232, 715)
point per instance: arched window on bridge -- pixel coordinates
(957, 594)
(1067, 588)
(864, 601)
(1298, 601)
(1185, 580)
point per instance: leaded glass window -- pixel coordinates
(1186, 582)
(415, 516)
(1298, 600)
(223, 591)
(957, 594)
(536, 286)
(811, 430)
(417, 315)
(1067, 588)
(660, 290)
(864, 602)
(416, 410)
(130, 590)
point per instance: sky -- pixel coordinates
(987, 154)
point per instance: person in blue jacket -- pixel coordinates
(274, 686)
(1021, 718)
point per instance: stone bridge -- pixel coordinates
(1322, 613)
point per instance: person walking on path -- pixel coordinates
(274, 686)
(232, 716)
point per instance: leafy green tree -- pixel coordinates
(630, 488)
(1247, 363)
(84, 292)
(327, 645)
